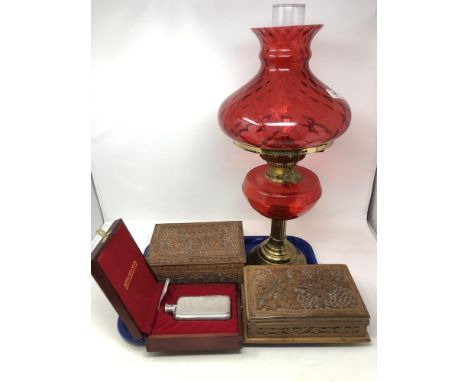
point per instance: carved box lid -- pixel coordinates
(197, 243)
(291, 292)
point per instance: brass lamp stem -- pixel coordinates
(278, 229)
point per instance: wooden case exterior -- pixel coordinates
(302, 304)
(209, 252)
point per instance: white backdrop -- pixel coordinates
(160, 71)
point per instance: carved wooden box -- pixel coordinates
(211, 252)
(302, 304)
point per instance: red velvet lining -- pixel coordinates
(127, 271)
(166, 324)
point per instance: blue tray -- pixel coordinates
(249, 242)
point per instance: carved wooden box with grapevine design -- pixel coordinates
(302, 304)
(210, 252)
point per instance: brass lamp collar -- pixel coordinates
(283, 173)
(291, 152)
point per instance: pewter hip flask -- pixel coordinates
(200, 308)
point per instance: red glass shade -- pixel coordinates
(281, 200)
(284, 106)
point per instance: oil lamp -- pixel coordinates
(283, 113)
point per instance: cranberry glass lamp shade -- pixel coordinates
(284, 107)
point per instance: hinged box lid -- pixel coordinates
(122, 273)
(301, 292)
(197, 243)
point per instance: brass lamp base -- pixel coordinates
(265, 254)
(276, 249)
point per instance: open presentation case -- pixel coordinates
(121, 271)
